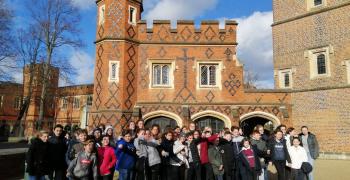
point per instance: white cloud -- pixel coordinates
(84, 66)
(177, 9)
(84, 4)
(255, 50)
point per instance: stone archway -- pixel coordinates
(250, 120)
(212, 118)
(163, 119)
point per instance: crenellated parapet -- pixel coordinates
(186, 32)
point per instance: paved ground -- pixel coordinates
(12, 164)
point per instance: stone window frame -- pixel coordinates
(172, 68)
(218, 77)
(89, 100)
(101, 14)
(133, 15)
(17, 102)
(113, 71)
(64, 104)
(311, 4)
(313, 54)
(76, 102)
(281, 78)
(1, 100)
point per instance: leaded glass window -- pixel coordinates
(161, 74)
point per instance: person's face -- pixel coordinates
(169, 136)
(216, 142)
(110, 132)
(89, 147)
(228, 137)
(207, 134)
(105, 141)
(196, 135)
(279, 135)
(44, 137)
(257, 136)
(182, 139)
(185, 130)
(246, 144)
(141, 134)
(235, 133)
(140, 124)
(127, 138)
(82, 137)
(261, 130)
(305, 131)
(283, 129)
(147, 135)
(292, 133)
(190, 139)
(296, 142)
(177, 130)
(132, 125)
(155, 131)
(58, 131)
(97, 134)
(192, 127)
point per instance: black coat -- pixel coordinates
(228, 156)
(244, 167)
(194, 151)
(57, 152)
(37, 158)
(167, 146)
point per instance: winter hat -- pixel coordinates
(107, 128)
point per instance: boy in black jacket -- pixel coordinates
(228, 155)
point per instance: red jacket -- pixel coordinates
(204, 148)
(106, 160)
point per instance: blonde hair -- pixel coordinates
(41, 133)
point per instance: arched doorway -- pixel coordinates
(162, 121)
(251, 120)
(216, 124)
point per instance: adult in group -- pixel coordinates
(228, 155)
(37, 157)
(57, 152)
(249, 164)
(311, 147)
(192, 127)
(236, 143)
(277, 148)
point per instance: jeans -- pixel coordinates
(219, 177)
(312, 162)
(125, 174)
(37, 178)
(281, 169)
(154, 172)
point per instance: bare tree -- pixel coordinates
(6, 41)
(58, 21)
(250, 79)
(29, 50)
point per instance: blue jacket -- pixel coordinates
(126, 155)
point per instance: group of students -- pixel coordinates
(186, 153)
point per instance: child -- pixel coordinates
(84, 166)
(36, 158)
(228, 155)
(215, 160)
(141, 151)
(106, 159)
(78, 147)
(126, 154)
(181, 151)
(249, 164)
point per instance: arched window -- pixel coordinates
(162, 121)
(317, 2)
(216, 124)
(321, 64)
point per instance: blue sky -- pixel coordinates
(254, 31)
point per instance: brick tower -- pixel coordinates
(116, 62)
(312, 58)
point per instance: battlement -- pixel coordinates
(186, 32)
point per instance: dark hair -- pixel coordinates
(105, 136)
(176, 127)
(280, 126)
(126, 132)
(244, 140)
(277, 131)
(296, 138)
(255, 132)
(234, 128)
(302, 127)
(58, 126)
(137, 122)
(199, 132)
(155, 125)
(103, 126)
(227, 132)
(139, 130)
(290, 130)
(226, 129)
(82, 131)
